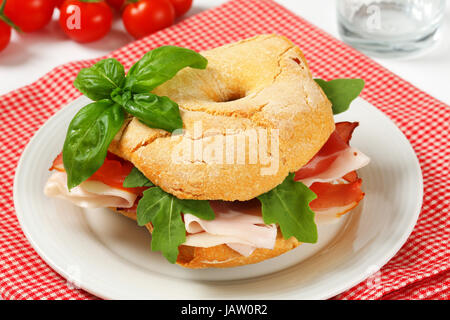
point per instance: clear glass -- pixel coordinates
(390, 27)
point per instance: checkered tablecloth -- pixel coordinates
(420, 268)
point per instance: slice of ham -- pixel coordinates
(324, 158)
(345, 161)
(335, 159)
(89, 194)
(351, 176)
(238, 225)
(331, 173)
(331, 195)
(345, 130)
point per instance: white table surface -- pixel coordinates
(30, 56)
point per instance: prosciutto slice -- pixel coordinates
(335, 159)
(345, 161)
(331, 174)
(335, 195)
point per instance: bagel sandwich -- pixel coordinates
(228, 157)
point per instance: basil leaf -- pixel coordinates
(98, 81)
(288, 206)
(159, 65)
(136, 179)
(163, 210)
(154, 111)
(341, 92)
(88, 137)
(120, 96)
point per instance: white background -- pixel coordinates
(32, 55)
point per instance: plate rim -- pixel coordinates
(331, 293)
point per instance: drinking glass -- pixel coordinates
(389, 27)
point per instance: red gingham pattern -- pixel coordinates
(420, 268)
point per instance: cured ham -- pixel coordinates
(336, 184)
(345, 161)
(335, 159)
(345, 130)
(335, 195)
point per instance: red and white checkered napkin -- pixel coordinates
(420, 268)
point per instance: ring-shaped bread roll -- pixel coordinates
(261, 85)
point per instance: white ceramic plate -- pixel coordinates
(108, 255)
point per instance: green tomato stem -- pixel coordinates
(5, 19)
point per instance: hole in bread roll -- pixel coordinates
(233, 96)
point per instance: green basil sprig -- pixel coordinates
(160, 65)
(100, 80)
(93, 127)
(150, 109)
(88, 137)
(341, 92)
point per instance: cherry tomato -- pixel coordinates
(116, 4)
(181, 6)
(5, 35)
(58, 3)
(147, 16)
(85, 21)
(113, 171)
(30, 15)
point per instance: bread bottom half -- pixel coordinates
(222, 256)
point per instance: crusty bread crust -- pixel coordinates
(222, 256)
(258, 83)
